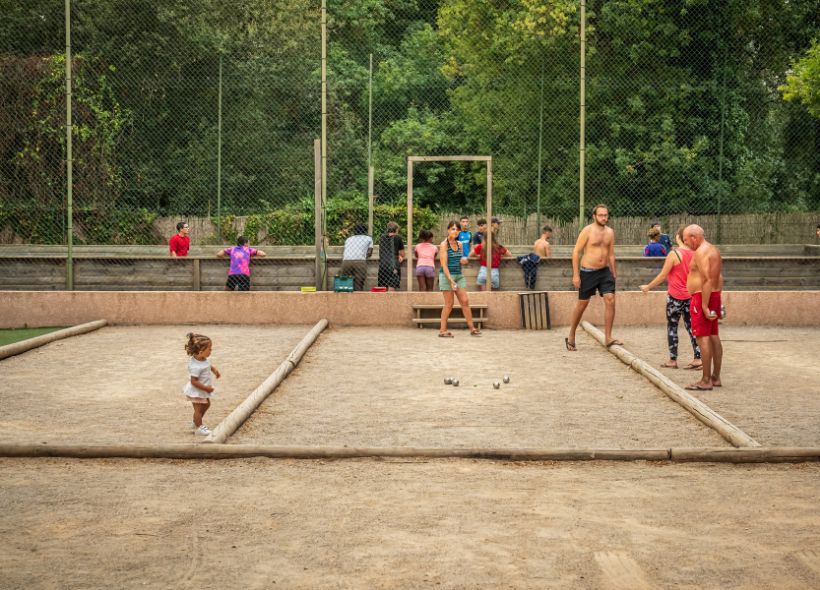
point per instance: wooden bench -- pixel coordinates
(430, 315)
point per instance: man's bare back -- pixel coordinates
(542, 248)
(706, 263)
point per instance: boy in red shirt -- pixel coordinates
(180, 242)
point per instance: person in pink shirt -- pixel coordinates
(426, 253)
(675, 271)
(239, 273)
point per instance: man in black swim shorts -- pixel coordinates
(594, 271)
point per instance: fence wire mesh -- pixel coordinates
(206, 112)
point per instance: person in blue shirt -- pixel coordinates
(654, 247)
(465, 236)
(663, 240)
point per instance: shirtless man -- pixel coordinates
(542, 246)
(594, 272)
(705, 283)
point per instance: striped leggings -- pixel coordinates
(674, 309)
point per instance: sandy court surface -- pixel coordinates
(407, 524)
(770, 389)
(124, 383)
(384, 387)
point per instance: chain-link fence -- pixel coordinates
(206, 112)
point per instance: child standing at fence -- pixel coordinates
(426, 255)
(199, 390)
(239, 273)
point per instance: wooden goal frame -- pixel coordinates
(411, 160)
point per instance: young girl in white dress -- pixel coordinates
(199, 389)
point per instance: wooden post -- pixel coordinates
(228, 451)
(243, 411)
(410, 160)
(30, 343)
(69, 159)
(582, 116)
(197, 272)
(409, 225)
(318, 214)
(371, 200)
(488, 239)
(697, 408)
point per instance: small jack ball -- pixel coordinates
(496, 385)
(506, 378)
(455, 382)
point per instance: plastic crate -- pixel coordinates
(343, 284)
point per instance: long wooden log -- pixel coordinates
(223, 451)
(697, 408)
(242, 412)
(26, 345)
(747, 455)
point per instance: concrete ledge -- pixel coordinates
(55, 308)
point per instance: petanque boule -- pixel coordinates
(506, 378)
(455, 382)
(448, 380)
(496, 385)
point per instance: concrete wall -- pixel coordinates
(41, 308)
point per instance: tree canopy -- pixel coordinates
(692, 105)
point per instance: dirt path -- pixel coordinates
(406, 524)
(770, 378)
(385, 387)
(123, 384)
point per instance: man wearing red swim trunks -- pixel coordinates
(705, 282)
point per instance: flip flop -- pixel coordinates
(475, 332)
(570, 345)
(697, 387)
(666, 365)
(693, 366)
(445, 334)
(614, 342)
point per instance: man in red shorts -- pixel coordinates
(705, 283)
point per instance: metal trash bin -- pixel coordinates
(535, 310)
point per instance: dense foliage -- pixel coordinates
(685, 109)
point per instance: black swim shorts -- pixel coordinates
(600, 280)
(238, 283)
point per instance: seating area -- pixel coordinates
(429, 314)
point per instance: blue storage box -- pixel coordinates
(343, 284)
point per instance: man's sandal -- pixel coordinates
(445, 334)
(570, 345)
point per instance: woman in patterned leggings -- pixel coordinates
(675, 270)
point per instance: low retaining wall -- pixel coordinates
(63, 308)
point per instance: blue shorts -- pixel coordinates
(495, 277)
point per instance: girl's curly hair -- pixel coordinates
(196, 343)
